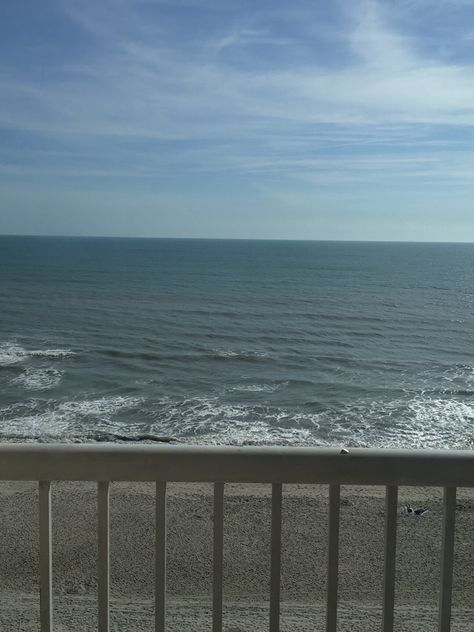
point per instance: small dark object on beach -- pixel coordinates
(419, 511)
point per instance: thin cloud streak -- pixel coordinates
(150, 91)
(246, 100)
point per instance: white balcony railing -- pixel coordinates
(162, 464)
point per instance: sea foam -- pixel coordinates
(49, 420)
(38, 379)
(12, 353)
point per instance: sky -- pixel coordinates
(314, 119)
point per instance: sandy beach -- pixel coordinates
(246, 558)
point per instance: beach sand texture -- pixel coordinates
(246, 558)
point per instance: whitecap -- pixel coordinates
(38, 379)
(258, 433)
(239, 355)
(259, 388)
(51, 353)
(421, 422)
(62, 421)
(209, 420)
(44, 426)
(11, 353)
(101, 407)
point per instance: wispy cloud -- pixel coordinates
(323, 94)
(148, 86)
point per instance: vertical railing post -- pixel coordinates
(275, 565)
(103, 558)
(333, 558)
(447, 559)
(391, 500)
(218, 557)
(45, 557)
(160, 557)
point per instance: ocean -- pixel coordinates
(237, 342)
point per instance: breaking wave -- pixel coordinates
(38, 379)
(419, 422)
(11, 353)
(48, 420)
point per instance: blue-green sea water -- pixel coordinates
(237, 342)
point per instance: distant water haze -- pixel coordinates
(237, 342)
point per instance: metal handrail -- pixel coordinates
(110, 462)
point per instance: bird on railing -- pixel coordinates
(410, 511)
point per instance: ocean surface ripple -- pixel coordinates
(237, 342)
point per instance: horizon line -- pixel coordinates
(275, 239)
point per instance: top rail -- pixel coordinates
(91, 462)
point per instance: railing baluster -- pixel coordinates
(275, 567)
(103, 559)
(391, 500)
(160, 558)
(447, 558)
(45, 558)
(218, 556)
(333, 557)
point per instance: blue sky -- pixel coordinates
(245, 119)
